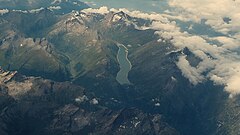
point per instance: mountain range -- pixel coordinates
(67, 62)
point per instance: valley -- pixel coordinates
(76, 70)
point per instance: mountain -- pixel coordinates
(71, 62)
(22, 49)
(70, 40)
(58, 6)
(31, 105)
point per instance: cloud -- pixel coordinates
(227, 73)
(54, 8)
(188, 71)
(227, 42)
(233, 84)
(101, 10)
(36, 10)
(219, 60)
(222, 16)
(213, 11)
(91, 3)
(3, 11)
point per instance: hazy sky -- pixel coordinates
(143, 5)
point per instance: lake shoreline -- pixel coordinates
(125, 65)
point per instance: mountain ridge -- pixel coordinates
(81, 48)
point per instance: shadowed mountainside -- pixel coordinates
(81, 48)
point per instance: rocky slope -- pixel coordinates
(32, 105)
(81, 48)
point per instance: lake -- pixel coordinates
(125, 65)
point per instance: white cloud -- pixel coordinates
(219, 62)
(91, 3)
(36, 10)
(3, 11)
(22, 11)
(228, 42)
(233, 85)
(101, 10)
(225, 67)
(214, 11)
(228, 74)
(54, 8)
(188, 71)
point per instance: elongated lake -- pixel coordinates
(125, 65)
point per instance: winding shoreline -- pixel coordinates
(124, 78)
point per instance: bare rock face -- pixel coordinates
(31, 105)
(72, 119)
(6, 76)
(79, 49)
